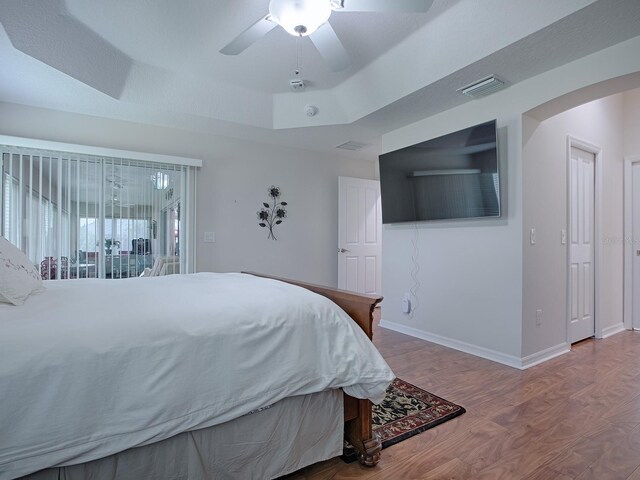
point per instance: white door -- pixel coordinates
(581, 246)
(635, 212)
(359, 235)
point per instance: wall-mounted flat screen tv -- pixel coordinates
(450, 177)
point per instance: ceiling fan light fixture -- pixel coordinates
(300, 17)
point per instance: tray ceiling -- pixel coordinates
(159, 62)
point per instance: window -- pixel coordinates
(120, 232)
(81, 216)
(88, 236)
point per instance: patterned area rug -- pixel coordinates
(406, 411)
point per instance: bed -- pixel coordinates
(132, 378)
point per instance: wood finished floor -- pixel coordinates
(573, 417)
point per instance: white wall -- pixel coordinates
(544, 202)
(232, 185)
(471, 273)
(631, 142)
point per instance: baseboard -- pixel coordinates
(476, 350)
(544, 355)
(493, 355)
(612, 330)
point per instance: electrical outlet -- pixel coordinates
(532, 236)
(209, 237)
(538, 317)
(406, 304)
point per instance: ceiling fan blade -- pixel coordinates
(330, 48)
(408, 6)
(252, 34)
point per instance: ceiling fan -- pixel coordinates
(310, 18)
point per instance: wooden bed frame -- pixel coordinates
(357, 413)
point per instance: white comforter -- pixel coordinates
(92, 367)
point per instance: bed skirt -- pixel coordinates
(289, 435)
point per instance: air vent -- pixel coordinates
(483, 87)
(351, 145)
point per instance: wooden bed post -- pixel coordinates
(357, 412)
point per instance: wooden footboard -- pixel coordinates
(357, 412)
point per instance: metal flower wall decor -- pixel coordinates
(271, 215)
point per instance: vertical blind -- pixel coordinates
(79, 216)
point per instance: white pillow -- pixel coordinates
(18, 276)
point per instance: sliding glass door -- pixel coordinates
(80, 216)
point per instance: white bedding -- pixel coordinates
(92, 367)
(289, 435)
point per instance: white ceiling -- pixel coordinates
(159, 62)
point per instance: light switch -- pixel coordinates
(209, 237)
(532, 236)
(563, 236)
